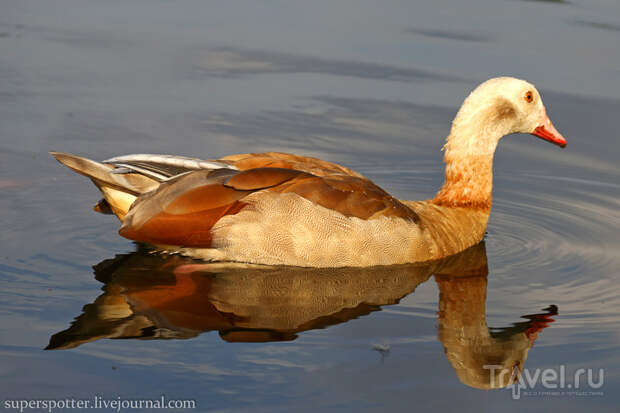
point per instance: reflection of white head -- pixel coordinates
(467, 341)
(484, 362)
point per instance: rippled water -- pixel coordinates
(372, 86)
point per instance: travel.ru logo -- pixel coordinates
(555, 382)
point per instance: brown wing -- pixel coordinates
(307, 164)
(351, 196)
(183, 212)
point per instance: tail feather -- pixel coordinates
(119, 190)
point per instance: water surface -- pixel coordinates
(372, 86)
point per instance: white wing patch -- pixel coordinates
(172, 160)
(162, 167)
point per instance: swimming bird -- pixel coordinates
(282, 209)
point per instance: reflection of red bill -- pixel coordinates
(539, 323)
(548, 132)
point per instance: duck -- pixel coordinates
(277, 208)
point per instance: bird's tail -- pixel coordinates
(119, 190)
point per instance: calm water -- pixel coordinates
(372, 85)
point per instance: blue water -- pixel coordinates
(370, 85)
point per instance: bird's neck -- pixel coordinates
(469, 176)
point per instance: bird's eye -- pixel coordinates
(529, 97)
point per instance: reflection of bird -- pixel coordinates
(275, 208)
(148, 296)
(152, 296)
(483, 358)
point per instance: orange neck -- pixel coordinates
(469, 182)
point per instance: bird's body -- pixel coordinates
(277, 208)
